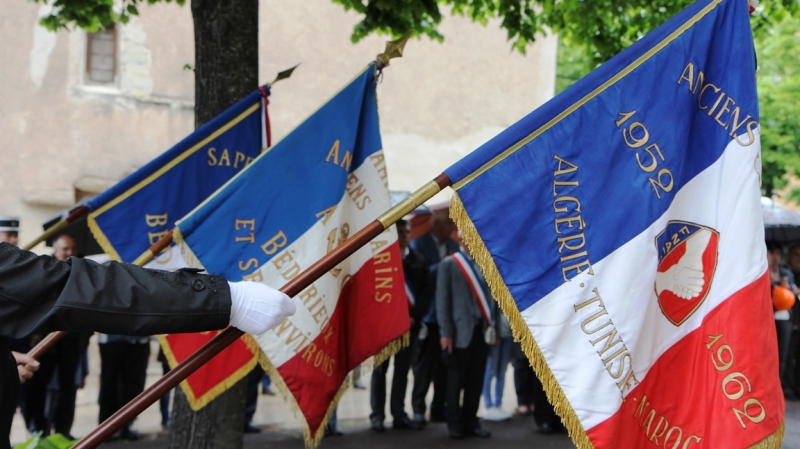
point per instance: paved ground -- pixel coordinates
(281, 428)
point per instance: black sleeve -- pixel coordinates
(40, 293)
(423, 286)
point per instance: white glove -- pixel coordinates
(256, 308)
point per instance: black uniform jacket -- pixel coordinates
(416, 268)
(42, 294)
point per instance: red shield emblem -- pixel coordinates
(687, 260)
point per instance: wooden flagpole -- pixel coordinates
(231, 334)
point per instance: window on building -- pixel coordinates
(101, 55)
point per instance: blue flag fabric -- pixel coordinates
(136, 212)
(294, 204)
(619, 227)
(289, 184)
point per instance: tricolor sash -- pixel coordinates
(465, 265)
(412, 299)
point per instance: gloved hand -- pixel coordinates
(256, 308)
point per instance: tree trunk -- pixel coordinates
(226, 54)
(218, 425)
(226, 70)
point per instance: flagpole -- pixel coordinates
(231, 334)
(61, 224)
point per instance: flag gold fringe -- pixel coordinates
(101, 238)
(523, 334)
(312, 441)
(197, 403)
(186, 252)
(773, 441)
(520, 330)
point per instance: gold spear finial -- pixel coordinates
(394, 49)
(283, 75)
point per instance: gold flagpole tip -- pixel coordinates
(394, 49)
(283, 75)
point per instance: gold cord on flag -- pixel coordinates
(520, 330)
(312, 441)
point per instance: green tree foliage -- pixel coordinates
(590, 33)
(778, 52)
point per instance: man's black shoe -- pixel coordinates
(250, 428)
(456, 434)
(406, 424)
(376, 424)
(419, 418)
(478, 432)
(438, 418)
(332, 432)
(129, 434)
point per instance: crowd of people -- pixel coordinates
(784, 269)
(461, 346)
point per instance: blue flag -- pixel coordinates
(619, 226)
(294, 204)
(136, 212)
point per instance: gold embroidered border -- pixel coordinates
(196, 403)
(312, 441)
(91, 219)
(597, 91)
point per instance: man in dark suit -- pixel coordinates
(419, 288)
(61, 361)
(464, 312)
(434, 246)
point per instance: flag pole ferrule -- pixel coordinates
(410, 203)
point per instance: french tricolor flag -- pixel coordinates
(295, 203)
(619, 227)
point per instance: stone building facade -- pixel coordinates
(78, 112)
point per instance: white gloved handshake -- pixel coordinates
(256, 308)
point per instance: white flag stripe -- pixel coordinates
(313, 245)
(727, 207)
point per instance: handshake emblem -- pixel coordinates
(687, 254)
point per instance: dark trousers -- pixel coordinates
(251, 396)
(377, 394)
(427, 368)
(543, 411)
(123, 371)
(8, 392)
(465, 373)
(524, 381)
(64, 355)
(784, 329)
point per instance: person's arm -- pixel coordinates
(444, 305)
(43, 294)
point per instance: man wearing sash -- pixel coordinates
(464, 313)
(434, 246)
(419, 290)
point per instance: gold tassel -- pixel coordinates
(523, 334)
(188, 255)
(518, 326)
(312, 441)
(773, 441)
(101, 238)
(197, 403)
